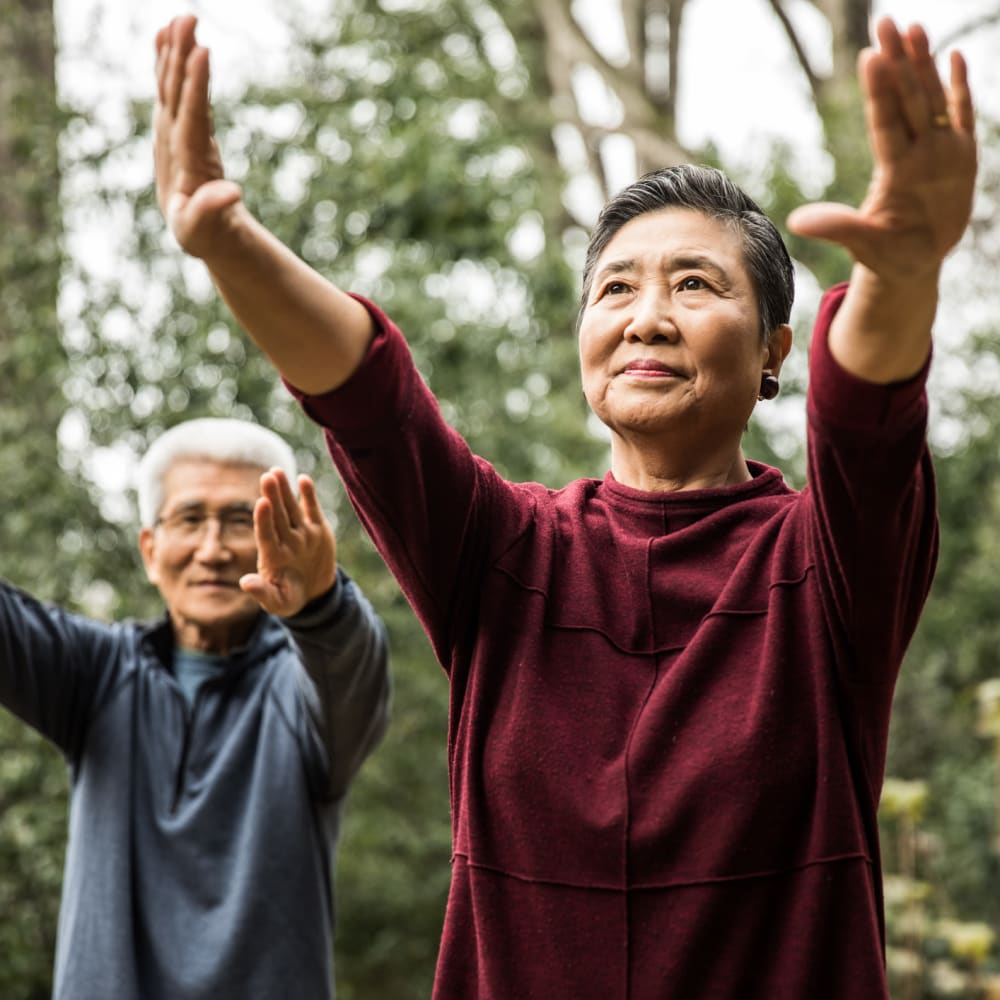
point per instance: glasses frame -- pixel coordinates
(190, 524)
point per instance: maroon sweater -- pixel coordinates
(669, 711)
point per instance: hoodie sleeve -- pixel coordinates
(343, 647)
(54, 666)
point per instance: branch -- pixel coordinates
(559, 68)
(566, 47)
(653, 150)
(674, 16)
(567, 38)
(983, 21)
(634, 18)
(815, 84)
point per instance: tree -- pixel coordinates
(32, 782)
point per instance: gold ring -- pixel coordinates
(942, 120)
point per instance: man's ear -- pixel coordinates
(147, 549)
(779, 343)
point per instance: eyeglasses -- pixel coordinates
(191, 523)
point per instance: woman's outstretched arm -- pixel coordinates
(919, 200)
(314, 333)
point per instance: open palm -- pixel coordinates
(296, 550)
(193, 195)
(923, 141)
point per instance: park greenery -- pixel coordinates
(420, 151)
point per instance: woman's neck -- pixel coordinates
(654, 469)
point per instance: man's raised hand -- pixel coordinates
(296, 550)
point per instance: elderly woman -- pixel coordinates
(670, 688)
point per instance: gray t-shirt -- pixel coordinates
(193, 667)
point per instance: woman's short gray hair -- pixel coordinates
(709, 191)
(236, 442)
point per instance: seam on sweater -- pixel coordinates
(714, 612)
(650, 688)
(678, 883)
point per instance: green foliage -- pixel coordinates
(935, 734)
(32, 838)
(45, 508)
(394, 867)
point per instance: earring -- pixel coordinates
(769, 387)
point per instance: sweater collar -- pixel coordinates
(766, 481)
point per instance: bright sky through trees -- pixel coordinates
(742, 87)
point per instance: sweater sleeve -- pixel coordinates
(871, 486)
(55, 667)
(342, 645)
(433, 509)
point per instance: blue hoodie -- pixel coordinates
(201, 836)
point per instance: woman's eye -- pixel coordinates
(615, 288)
(692, 284)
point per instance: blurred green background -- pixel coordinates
(446, 158)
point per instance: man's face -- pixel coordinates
(201, 545)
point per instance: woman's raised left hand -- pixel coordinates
(922, 135)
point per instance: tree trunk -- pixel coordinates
(32, 362)
(32, 368)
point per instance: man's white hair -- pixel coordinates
(215, 439)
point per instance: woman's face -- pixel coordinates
(670, 338)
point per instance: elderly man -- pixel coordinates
(210, 752)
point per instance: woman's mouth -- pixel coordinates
(647, 368)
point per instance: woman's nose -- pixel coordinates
(651, 319)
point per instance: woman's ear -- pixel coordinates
(779, 343)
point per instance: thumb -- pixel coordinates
(255, 585)
(209, 199)
(830, 222)
(214, 196)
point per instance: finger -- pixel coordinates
(208, 200)
(253, 584)
(180, 44)
(962, 110)
(889, 39)
(919, 50)
(193, 110)
(310, 501)
(265, 531)
(265, 594)
(888, 132)
(162, 60)
(271, 484)
(160, 45)
(901, 75)
(288, 498)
